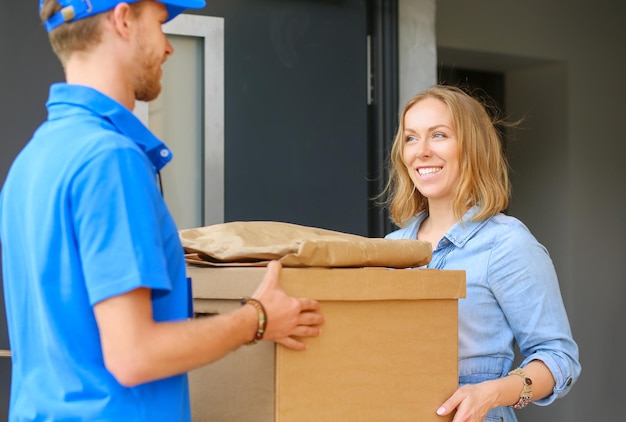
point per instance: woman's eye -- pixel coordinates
(438, 135)
(410, 139)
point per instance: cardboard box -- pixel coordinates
(388, 350)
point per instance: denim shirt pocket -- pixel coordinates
(501, 414)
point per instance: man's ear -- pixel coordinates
(122, 18)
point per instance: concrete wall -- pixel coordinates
(417, 48)
(564, 65)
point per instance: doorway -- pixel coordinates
(296, 113)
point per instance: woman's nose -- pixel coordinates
(422, 149)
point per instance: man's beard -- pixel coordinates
(148, 88)
(148, 83)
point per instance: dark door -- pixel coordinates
(296, 111)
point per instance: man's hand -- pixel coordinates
(288, 318)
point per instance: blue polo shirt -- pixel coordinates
(82, 220)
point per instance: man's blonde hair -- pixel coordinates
(76, 36)
(70, 37)
(484, 179)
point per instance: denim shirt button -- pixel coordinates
(569, 382)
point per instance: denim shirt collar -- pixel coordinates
(460, 233)
(63, 95)
(464, 230)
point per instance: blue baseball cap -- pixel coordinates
(73, 10)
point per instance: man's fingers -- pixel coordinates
(273, 272)
(307, 304)
(270, 280)
(310, 318)
(306, 331)
(292, 343)
(299, 332)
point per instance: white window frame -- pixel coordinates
(211, 31)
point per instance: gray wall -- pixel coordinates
(564, 65)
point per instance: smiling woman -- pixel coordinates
(431, 151)
(483, 174)
(449, 178)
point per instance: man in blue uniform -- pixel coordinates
(96, 292)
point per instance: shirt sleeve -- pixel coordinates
(524, 281)
(117, 217)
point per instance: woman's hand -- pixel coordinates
(472, 402)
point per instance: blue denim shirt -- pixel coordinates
(512, 295)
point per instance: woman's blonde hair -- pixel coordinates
(484, 179)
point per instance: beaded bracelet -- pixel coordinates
(527, 393)
(258, 336)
